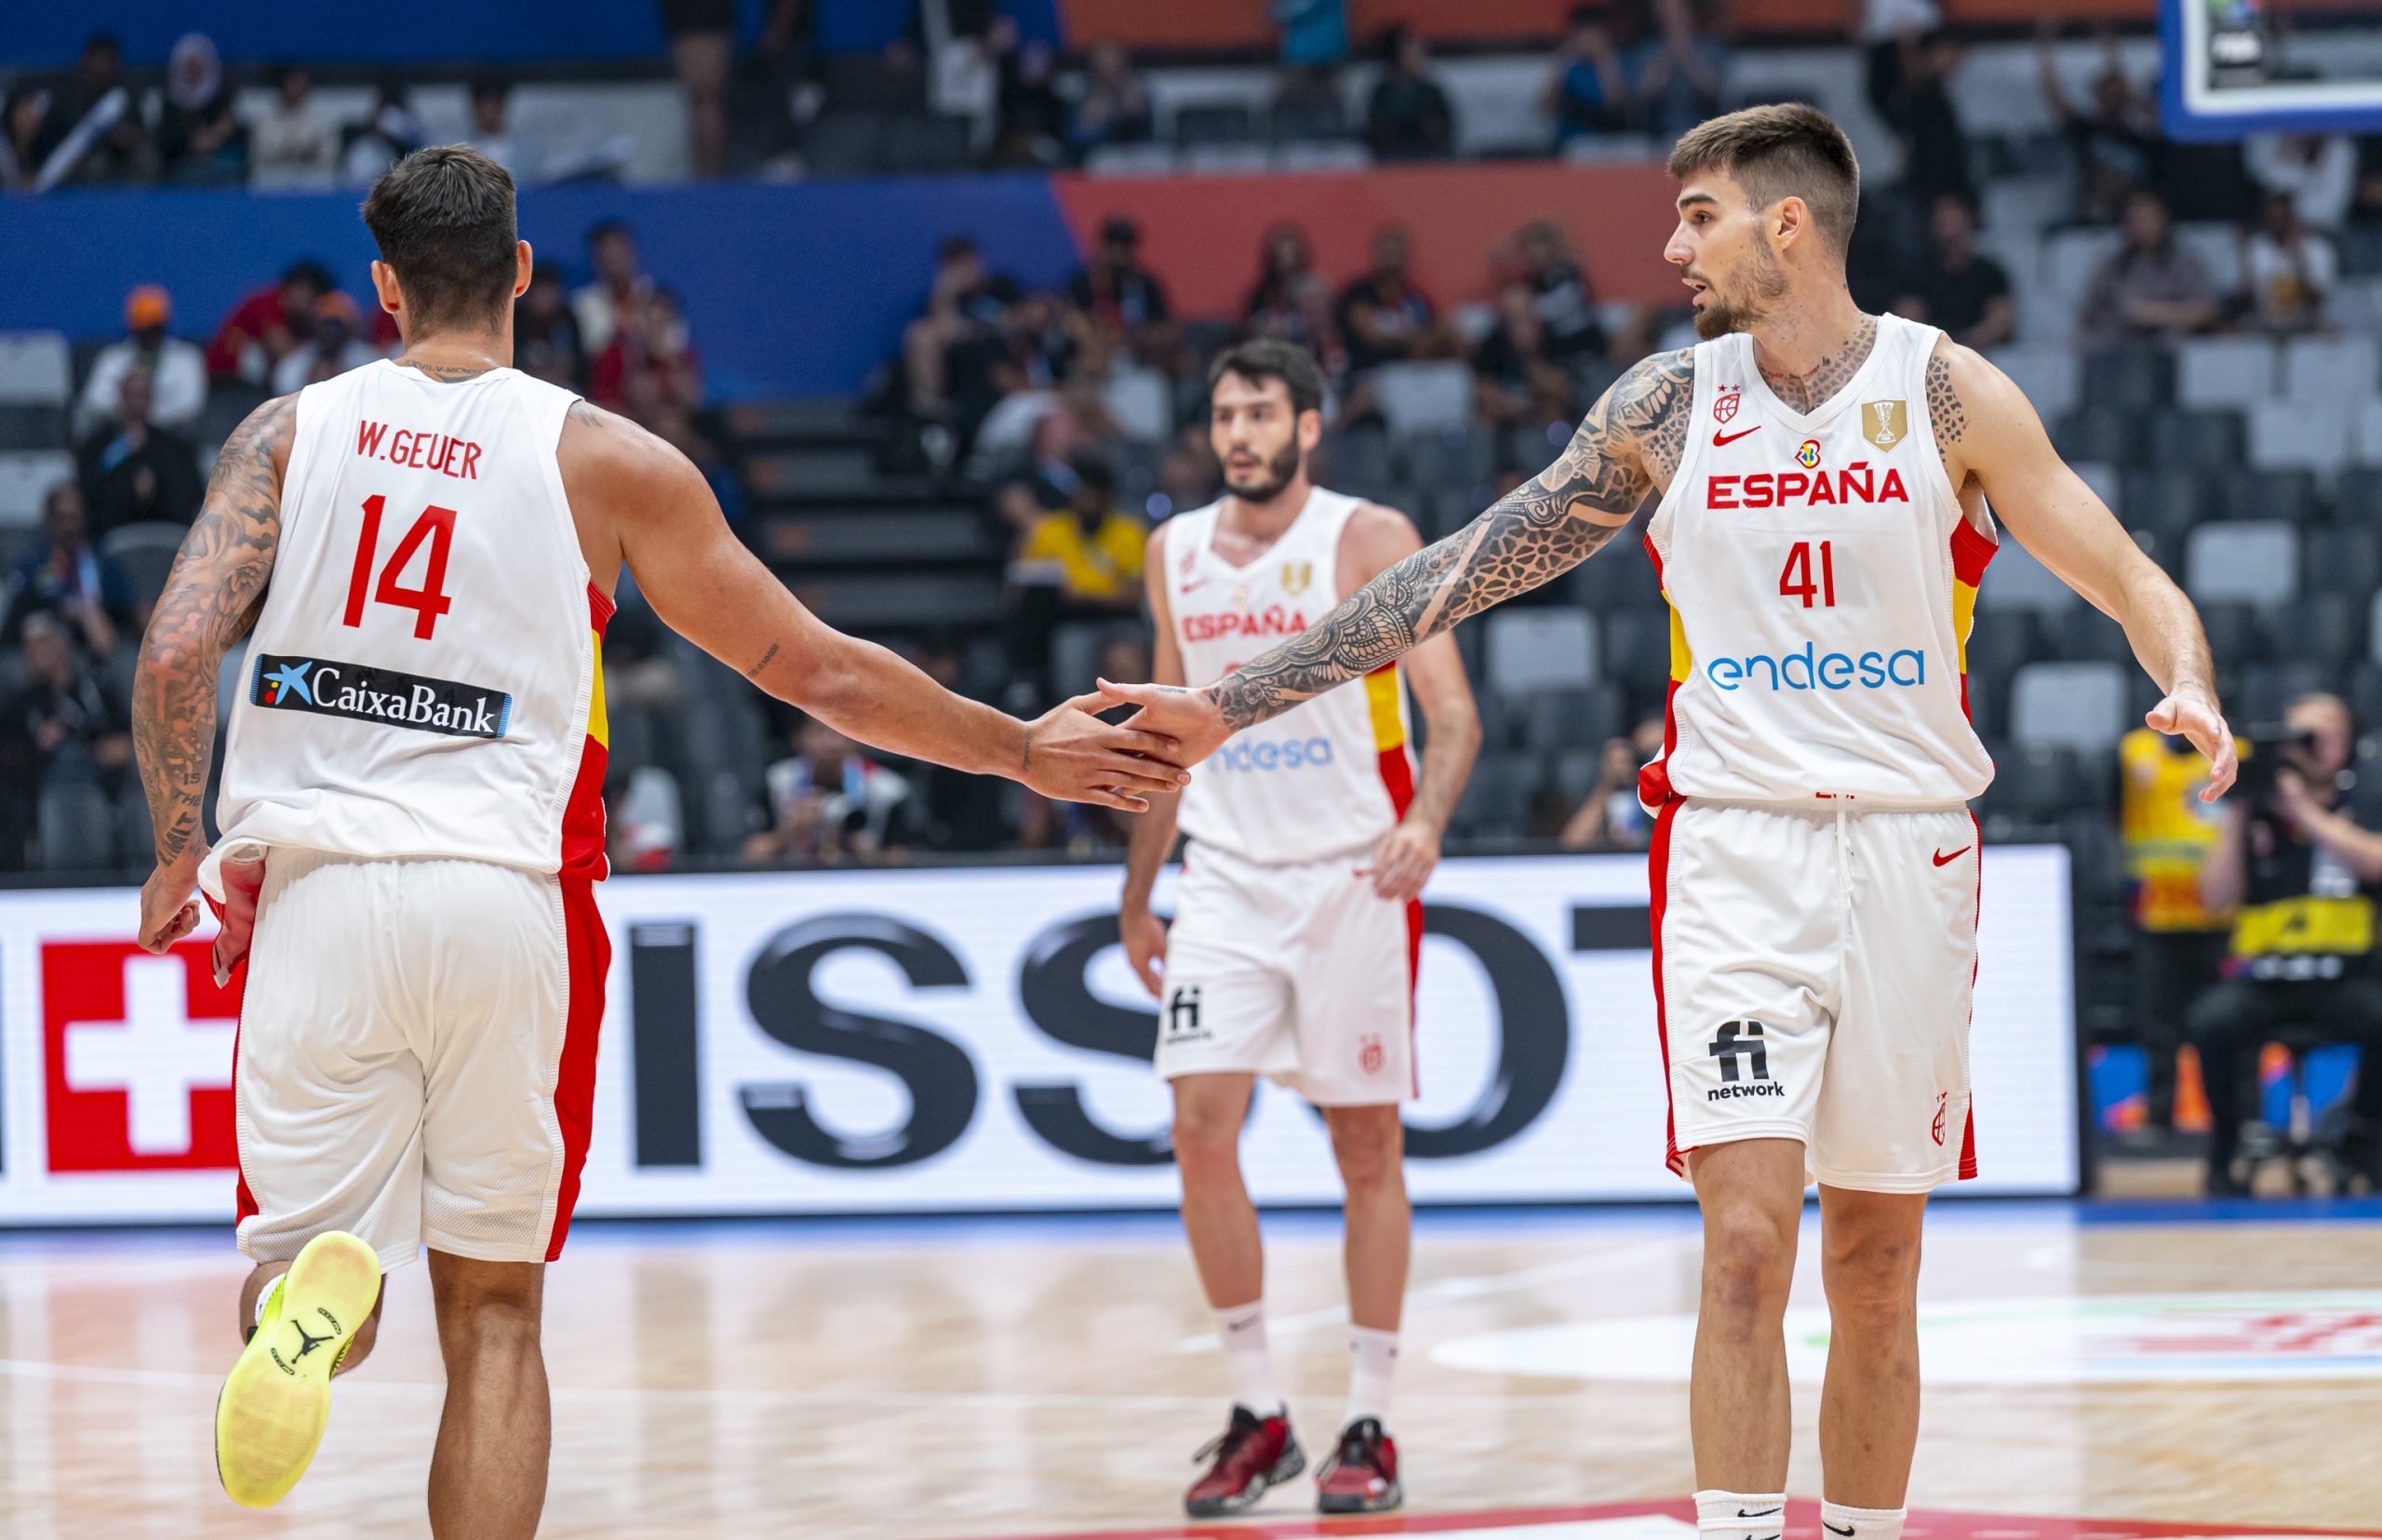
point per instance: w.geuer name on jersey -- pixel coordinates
(327, 687)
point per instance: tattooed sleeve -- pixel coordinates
(211, 597)
(1543, 528)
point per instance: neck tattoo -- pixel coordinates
(446, 371)
(1803, 392)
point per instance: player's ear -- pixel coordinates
(384, 286)
(1310, 430)
(1791, 218)
(524, 263)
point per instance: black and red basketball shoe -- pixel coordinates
(1250, 1454)
(1361, 1475)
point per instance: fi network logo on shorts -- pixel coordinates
(137, 1056)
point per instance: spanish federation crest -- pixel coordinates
(1885, 423)
(1725, 401)
(1296, 577)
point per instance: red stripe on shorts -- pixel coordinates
(589, 951)
(1968, 1123)
(1658, 871)
(1413, 983)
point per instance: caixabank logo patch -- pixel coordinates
(137, 1056)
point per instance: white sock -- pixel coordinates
(1861, 1523)
(1248, 1358)
(264, 1298)
(1740, 1515)
(1373, 1365)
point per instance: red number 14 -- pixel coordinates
(1795, 582)
(427, 602)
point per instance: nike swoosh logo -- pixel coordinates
(1721, 440)
(1750, 1513)
(1833, 1530)
(1943, 860)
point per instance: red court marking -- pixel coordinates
(1802, 1524)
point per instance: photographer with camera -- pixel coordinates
(2304, 878)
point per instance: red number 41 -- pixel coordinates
(427, 602)
(1795, 582)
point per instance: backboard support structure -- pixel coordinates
(2236, 67)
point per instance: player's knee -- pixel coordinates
(1748, 1262)
(1871, 1272)
(1207, 1141)
(1369, 1151)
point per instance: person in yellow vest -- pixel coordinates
(2303, 877)
(2179, 944)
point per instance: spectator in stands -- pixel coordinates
(267, 323)
(1954, 288)
(2317, 171)
(1031, 120)
(1117, 293)
(1116, 105)
(828, 806)
(387, 134)
(133, 472)
(2304, 878)
(491, 129)
(291, 143)
(1675, 77)
(177, 369)
(1384, 317)
(1907, 87)
(64, 725)
(2178, 941)
(70, 579)
(333, 347)
(1516, 378)
(91, 128)
(1189, 476)
(703, 45)
(1611, 817)
(20, 132)
(1090, 551)
(199, 138)
(1587, 92)
(2117, 145)
(1291, 300)
(2288, 269)
(1559, 291)
(650, 372)
(1078, 828)
(963, 309)
(2150, 287)
(620, 285)
(1315, 33)
(1408, 116)
(545, 333)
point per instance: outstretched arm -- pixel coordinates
(1988, 432)
(1628, 445)
(210, 598)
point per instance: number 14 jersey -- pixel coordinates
(1822, 576)
(424, 679)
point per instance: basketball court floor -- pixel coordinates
(2094, 1371)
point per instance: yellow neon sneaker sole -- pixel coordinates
(276, 1402)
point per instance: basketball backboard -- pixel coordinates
(2236, 67)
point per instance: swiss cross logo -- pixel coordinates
(137, 1054)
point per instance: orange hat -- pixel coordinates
(148, 305)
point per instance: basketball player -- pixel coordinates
(412, 822)
(1825, 478)
(1299, 920)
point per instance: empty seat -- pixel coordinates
(2083, 634)
(2071, 258)
(2047, 375)
(2326, 628)
(2159, 497)
(1452, 460)
(2080, 706)
(2225, 371)
(2330, 369)
(2246, 563)
(2248, 493)
(1573, 716)
(2103, 477)
(1548, 646)
(2217, 245)
(1214, 122)
(2195, 440)
(2235, 636)
(2133, 378)
(33, 428)
(1496, 799)
(1142, 401)
(2016, 581)
(928, 142)
(2344, 557)
(76, 828)
(1424, 397)
(35, 370)
(1356, 461)
(2368, 447)
(2034, 783)
(2104, 433)
(25, 479)
(2312, 436)
(1308, 118)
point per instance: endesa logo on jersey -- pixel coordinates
(1264, 754)
(1855, 483)
(1903, 668)
(1275, 619)
(363, 694)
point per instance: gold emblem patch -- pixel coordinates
(1297, 576)
(1885, 423)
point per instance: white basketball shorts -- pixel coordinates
(416, 1059)
(1301, 974)
(1813, 970)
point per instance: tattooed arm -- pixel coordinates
(1992, 442)
(211, 599)
(1629, 446)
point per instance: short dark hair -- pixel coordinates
(444, 220)
(604, 229)
(1789, 150)
(308, 271)
(1269, 358)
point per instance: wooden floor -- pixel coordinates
(935, 1382)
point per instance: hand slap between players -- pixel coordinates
(2193, 716)
(1074, 756)
(1190, 717)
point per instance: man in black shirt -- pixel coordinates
(1954, 288)
(1385, 319)
(1408, 117)
(1118, 293)
(2304, 878)
(134, 472)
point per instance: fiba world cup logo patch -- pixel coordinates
(1724, 403)
(1371, 1056)
(1809, 455)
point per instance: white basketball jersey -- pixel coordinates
(1327, 777)
(424, 679)
(1822, 578)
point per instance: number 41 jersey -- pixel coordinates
(1822, 576)
(424, 678)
